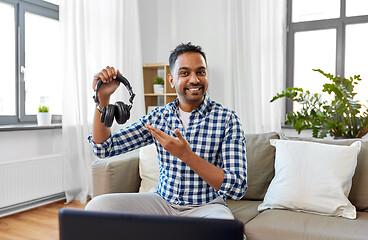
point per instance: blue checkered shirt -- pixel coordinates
(214, 133)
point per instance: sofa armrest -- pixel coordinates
(116, 174)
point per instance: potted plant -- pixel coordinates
(158, 85)
(43, 116)
(343, 117)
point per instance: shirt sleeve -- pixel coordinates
(234, 160)
(125, 140)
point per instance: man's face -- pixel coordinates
(190, 78)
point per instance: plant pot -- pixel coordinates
(158, 88)
(43, 119)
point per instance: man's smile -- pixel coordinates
(194, 89)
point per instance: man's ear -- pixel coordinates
(171, 80)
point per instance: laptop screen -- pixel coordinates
(91, 225)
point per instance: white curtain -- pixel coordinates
(255, 34)
(95, 34)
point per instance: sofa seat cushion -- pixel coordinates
(243, 210)
(286, 224)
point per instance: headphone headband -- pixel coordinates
(119, 78)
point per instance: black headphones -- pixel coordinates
(119, 110)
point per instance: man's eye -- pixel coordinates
(183, 73)
(202, 73)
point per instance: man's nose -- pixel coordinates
(194, 78)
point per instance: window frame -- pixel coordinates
(339, 24)
(41, 8)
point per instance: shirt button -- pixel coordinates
(182, 178)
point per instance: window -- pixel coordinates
(30, 60)
(331, 35)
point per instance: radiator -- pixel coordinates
(30, 180)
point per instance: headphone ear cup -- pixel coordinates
(122, 113)
(107, 116)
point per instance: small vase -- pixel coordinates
(43, 119)
(158, 88)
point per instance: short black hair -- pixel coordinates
(181, 49)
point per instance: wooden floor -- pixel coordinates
(39, 224)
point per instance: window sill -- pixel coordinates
(30, 126)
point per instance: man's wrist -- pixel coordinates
(104, 102)
(99, 108)
(188, 157)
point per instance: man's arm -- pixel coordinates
(180, 148)
(101, 133)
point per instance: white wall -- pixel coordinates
(30, 144)
(167, 23)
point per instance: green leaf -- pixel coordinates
(43, 109)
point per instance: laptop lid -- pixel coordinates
(91, 225)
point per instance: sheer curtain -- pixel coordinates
(255, 34)
(95, 34)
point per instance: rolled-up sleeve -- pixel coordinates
(234, 160)
(125, 140)
(101, 150)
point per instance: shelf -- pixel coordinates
(155, 94)
(150, 71)
(155, 65)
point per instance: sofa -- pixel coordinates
(315, 208)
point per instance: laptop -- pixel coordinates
(91, 225)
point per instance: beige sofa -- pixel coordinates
(121, 174)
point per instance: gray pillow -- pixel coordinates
(260, 164)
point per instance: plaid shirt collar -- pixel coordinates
(202, 109)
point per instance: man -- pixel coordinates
(200, 145)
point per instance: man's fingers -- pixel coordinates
(106, 75)
(178, 134)
(176, 146)
(156, 134)
(113, 72)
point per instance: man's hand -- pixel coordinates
(107, 76)
(178, 147)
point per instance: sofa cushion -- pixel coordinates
(359, 190)
(148, 168)
(260, 164)
(284, 224)
(244, 210)
(312, 177)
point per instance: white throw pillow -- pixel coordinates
(148, 168)
(312, 177)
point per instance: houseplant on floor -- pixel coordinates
(343, 117)
(43, 116)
